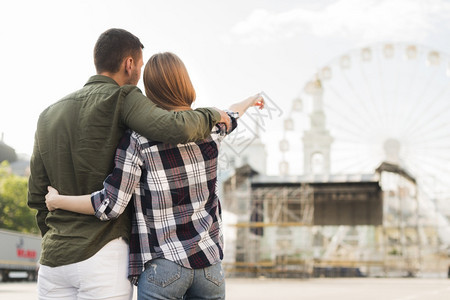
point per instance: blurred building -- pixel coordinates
(6, 152)
(19, 163)
(352, 225)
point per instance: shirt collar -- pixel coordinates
(100, 79)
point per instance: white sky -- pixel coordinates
(231, 48)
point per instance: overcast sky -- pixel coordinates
(232, 49)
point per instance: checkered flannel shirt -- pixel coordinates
(176, 210)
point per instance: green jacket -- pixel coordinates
(74, 149)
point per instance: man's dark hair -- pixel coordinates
(112, 47)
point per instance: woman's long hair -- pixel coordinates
(167, 82)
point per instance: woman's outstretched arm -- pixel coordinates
(242, 106)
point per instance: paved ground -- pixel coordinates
(309, 289)
(340, 289)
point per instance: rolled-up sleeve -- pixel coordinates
(118, 187)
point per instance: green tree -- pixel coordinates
(14, 211)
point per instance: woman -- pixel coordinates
(176, 244)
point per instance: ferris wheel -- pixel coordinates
(381, 102)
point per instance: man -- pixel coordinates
(75, 142)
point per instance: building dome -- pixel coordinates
(7, 153)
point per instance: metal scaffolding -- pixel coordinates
(293, 227)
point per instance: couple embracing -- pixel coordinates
(125, 184)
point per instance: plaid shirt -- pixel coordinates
(176, 210)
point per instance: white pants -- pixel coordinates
(103, 276)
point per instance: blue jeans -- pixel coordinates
(164, 279)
